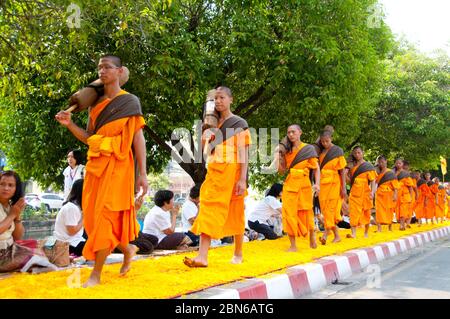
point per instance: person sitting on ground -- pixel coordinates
(189, 212)
(160, 221)
(13, 256)
(69, 221)
(268, 207)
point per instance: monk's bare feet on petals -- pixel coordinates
(91, 282)
(336, 240)
(313, 245)
(292, 250)
(366, 235)
(237, 260)
(127, 257)
(349, 236)
(195, 262)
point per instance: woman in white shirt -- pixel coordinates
(69, 221)
(74, 171)
(264, 210)
(160, 221)
(12, 255)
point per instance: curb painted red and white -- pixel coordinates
(311, 277)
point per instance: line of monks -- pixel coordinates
(396, 191)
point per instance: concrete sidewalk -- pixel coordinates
(308, 278)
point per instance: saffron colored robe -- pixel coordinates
(221, 211)
(404, 201)
(330, 190)
(297, 196)
(384, 199)
(108, 193)
(360, 203)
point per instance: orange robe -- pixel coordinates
(431, 207)
(414, 199)
(359, 200)
(330, 190)
(108, 192)
(447, 209)
(221, 211)
(404, 201)
(297, 196)
(384, 203)
(440, 207)
(420, 208)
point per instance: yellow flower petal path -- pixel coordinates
(168, 277)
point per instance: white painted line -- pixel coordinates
(226, 294)
(315, 275)
(403, 247)
(343, 265)
(419, 239)
(392, 249)
(279, 287)
(363, 257)
(379, 253)
(412, 242)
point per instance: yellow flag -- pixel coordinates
(443, 165)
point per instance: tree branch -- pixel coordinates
(252, 99)
(258, 104)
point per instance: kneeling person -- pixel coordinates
(160, 221)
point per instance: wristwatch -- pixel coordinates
(17, 221)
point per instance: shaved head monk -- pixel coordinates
(221, 207)
(114, 131)
(297, 198)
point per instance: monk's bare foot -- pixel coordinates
(350, 236)
(292, 249)
(313, 245)
(92, 281)
(337, 240)
(366, 235)
(237, 259)
(407, 226)
(128, 255)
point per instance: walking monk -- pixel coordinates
(386, 194)
(114, 130)
(441, 200)
(332, 184)
(298, 159)
(361, 194)
(404, 202)
(430, 211)
(418, 207)
(221, 208)
(414, 194)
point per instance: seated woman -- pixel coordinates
(266, 209)
(13, 256)
(160, 221)
(69, 221)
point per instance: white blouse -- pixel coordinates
(6, 238)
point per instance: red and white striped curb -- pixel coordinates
(308, 278)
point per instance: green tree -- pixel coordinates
(412, 118)
(312, 62)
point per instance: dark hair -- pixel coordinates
(327, 131)
(275, 190)
(162, 197)
(226, 89)
(195, 191)
(19, 193)
(115, 59)
(405, 162)
(76, 193)
(78, 156)
(289, 145)
(381, 157)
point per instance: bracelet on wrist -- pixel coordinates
(17, 221)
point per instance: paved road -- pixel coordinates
(420, 273)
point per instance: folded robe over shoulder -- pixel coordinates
(108, 193)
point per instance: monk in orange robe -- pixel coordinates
(114, 130)
(414, 194)
(448, 202)
(361, 194)
(404, 206)
(422, 200)
(332, 184)
(298, 158)
(221, 208)
(386, 194)
(417, 208)
(440, 200)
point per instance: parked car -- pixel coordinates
(51, 201)
(33, 200)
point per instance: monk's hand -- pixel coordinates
(138, 202)
(64, 118)
(343, 193)
(394, 198)
(142, 182)
(208, 135)
(240, 187)
(316, 190)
